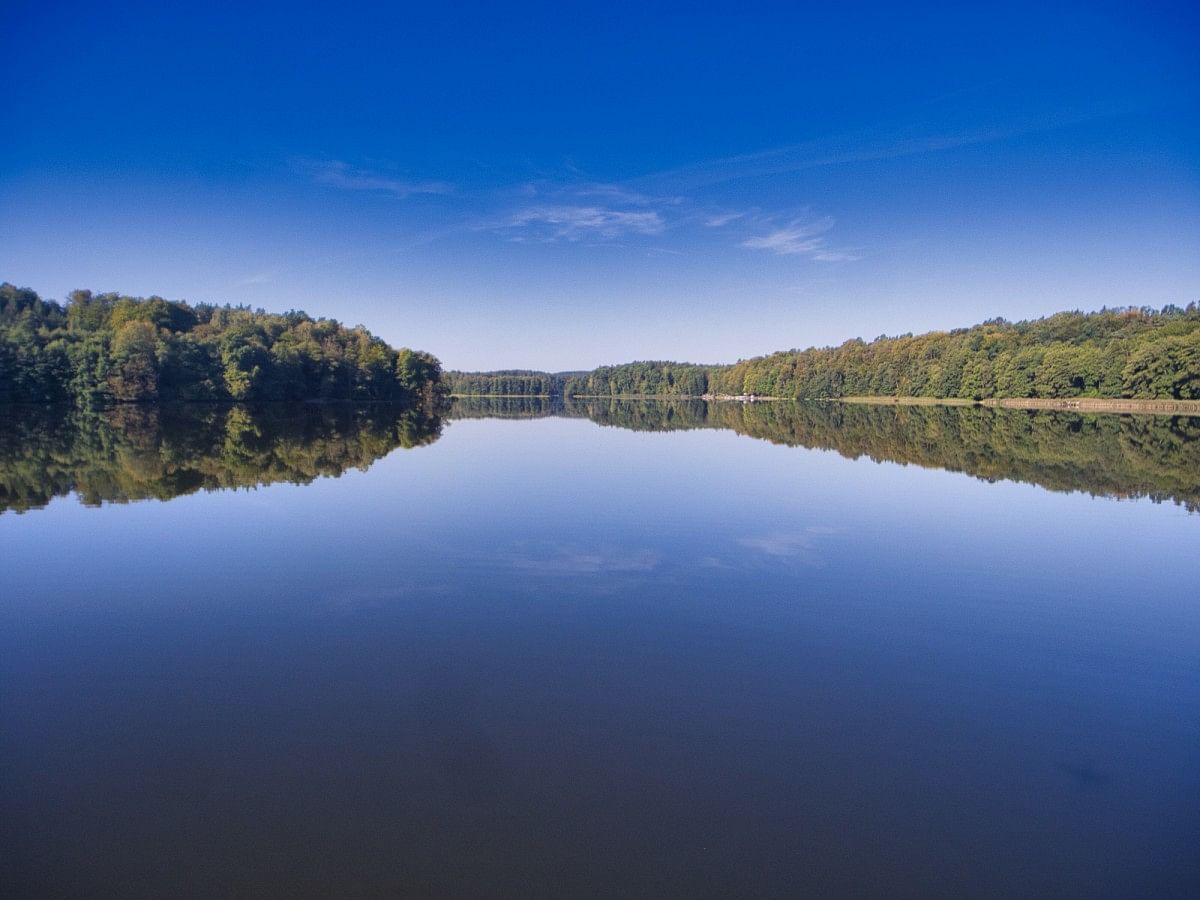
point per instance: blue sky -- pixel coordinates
(563, 186)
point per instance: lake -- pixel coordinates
(599, 649)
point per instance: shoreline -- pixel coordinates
(1068, 404)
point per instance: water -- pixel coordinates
(765, 651)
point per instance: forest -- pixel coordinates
(103, 349)
(507, 383)
(1134, 353)
(638, 379)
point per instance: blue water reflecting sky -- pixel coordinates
(546, 656)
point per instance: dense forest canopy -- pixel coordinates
(646, 379)
(507, 383)
(1134, 353)
(99, 349)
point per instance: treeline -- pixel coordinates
(100, 349)
(1102, 454)
(1132, 353)
(133, 452)
(646, 379)
(507, 383)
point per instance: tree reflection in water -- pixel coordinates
(138, 452)
(1103, 454)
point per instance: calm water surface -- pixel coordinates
(608, 650)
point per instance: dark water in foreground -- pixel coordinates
(876, 651)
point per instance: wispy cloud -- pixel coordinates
(615, 193)
(335, 173)
(873, 144)
(574, 223)
(798, 546)
(585, 211)
(720, 220)
(801, 238)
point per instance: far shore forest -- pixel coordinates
(104, 349)
(1133, 353)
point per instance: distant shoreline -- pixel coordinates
(1069, 404)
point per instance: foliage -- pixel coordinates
(1130, 353)
(646, 379)
(1127, 353)
(101, 349)
(509, 382)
